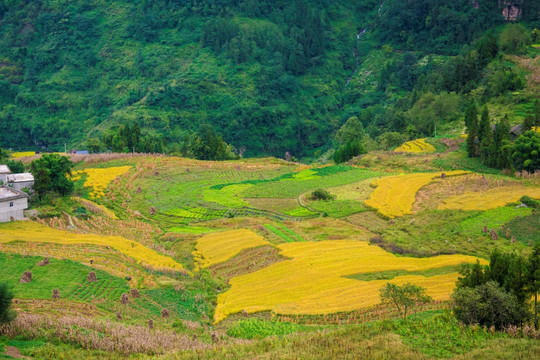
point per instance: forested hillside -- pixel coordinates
(270, 76)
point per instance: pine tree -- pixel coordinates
(484, 128)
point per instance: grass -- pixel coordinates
(256, 328)
(493, 219)
(284, 232)
(65, 275)
(389, 275)
(525, 229)
(191, 229)
(338, 208)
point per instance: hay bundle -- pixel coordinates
(56, 294)
(43, 262)
(91, 277)
(26, 277)
(124, 299)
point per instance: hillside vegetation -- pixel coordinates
(270, 76)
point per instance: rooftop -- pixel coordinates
(7, 193)
(4, 169)
(20, 177)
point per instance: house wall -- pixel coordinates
(17, 211)
(21, 185)
(3, 178)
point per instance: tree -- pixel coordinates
(51, 173)
(206, 144)
(515, 38)
(16, 167)
(533, 277)
(351, 131)
(524, 152)
(4, 155)
(94, 146)
(404, 297)
(348, 151)
(6, 297)
(488, 305)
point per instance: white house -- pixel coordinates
(21, 181)
(12, 204)
(4, 171)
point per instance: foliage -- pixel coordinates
(488, 305)
(322, 194)
(15, 166)
(515, 38)
(525, 152)
(207, 145)
(404, 297)
(6, 297)
(255, 328)
(351, 131)
(349, 150)
(439, 334)
(51, 173)
(530, 202)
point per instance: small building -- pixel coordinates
(12, 204)
(21, 181)
(4, 171)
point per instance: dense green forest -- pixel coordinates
(269, 77)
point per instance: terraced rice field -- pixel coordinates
(416, 146)
(490, 199)
(313, 280)
(216, 248)
(34, 232)
(395, 195)
(98, 179)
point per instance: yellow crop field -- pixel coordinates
(395, 195)
(219, 247)
(17, 155)
(33, 232)
(98, 179)
(416, 146)
(314, 280)
(490, 199)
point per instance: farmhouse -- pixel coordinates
(12, 204)
(4, 171)
(21, 181)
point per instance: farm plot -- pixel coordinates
(216, 248)
(395, 195)
(490, 199)
(314, 279)
(416, 146)
(493, 219)
(34, 232)
(98, 179)
(284, 232)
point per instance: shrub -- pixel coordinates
(488, 305)
(321, 194)
(530, 202)
(6, 296)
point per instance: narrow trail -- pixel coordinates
(356, 57)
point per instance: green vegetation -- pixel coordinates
(51, 173)
(255, 328)
(404, 297)
(284, 232)
(525, 229)
(6, 297)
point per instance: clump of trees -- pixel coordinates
(499, 294)
(14, 165)
(350, 136)
(493, 144)
(322, 194)
(51, 175)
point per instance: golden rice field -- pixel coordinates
(219, 247)
(96, 208)
(33, 232)
(313, 280)
(395, 195)
(17, 155)
(490, 199)
(98, 179)
(416, 146)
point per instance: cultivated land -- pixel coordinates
(221, 255)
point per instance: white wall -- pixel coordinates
(21, 185)
(3, 178)
(17, 211)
